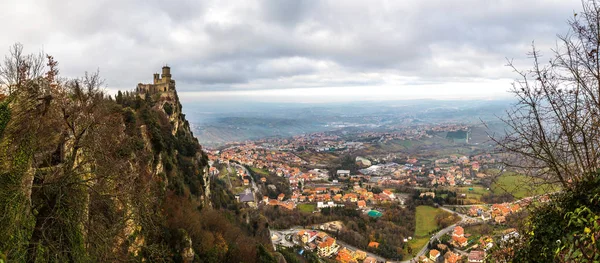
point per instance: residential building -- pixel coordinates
(343, 173)
(374, 244)
(389, 194)
(344, 256)
(460, 241)
(321, 237)
(327, 247)
(451, 257)
(458, 232)
(500, 219)
(476, 256)
(434, 254)
(360, 255)
(247, 197)
(361, 204)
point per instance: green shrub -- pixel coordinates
(4, 116)
(565, 229)
(168, 108)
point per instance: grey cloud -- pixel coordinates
(287, 13)
(263, 44)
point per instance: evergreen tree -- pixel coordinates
(119, 97)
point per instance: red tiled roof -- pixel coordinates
(327, 243)
(344, 256)
(373, 244)
(476, 255)
(458, 230)
(460, 240)
(451, 257)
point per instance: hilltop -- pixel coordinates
(88, 178)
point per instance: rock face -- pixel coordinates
(88, 179)
(179, 157)
(187, 253)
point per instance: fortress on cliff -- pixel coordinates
(162, 83)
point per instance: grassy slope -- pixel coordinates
(308, 208)
(475, 194)
(520, 186)
(425, 216)
(261, 172)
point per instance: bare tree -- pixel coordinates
(18, 67)
(554, 128)
(63, 185)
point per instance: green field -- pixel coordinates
(520, 186)
(404, 143)
(307, 208)
(485, 229)
(473, 195)
(477, 190)
(258, 171)
(425, 217)
(223, 173)
(417, 243)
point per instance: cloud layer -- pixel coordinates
(228, 46)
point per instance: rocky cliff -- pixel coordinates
(85, 178)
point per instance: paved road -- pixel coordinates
(424, 249)
(278, 237)
(229, 172)
(257, 199)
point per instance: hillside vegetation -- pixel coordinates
(85, 178)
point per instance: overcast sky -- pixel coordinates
(306, 51)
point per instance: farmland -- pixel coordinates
(520, 186)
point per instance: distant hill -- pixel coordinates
(214, 124)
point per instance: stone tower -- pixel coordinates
(166, 73)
